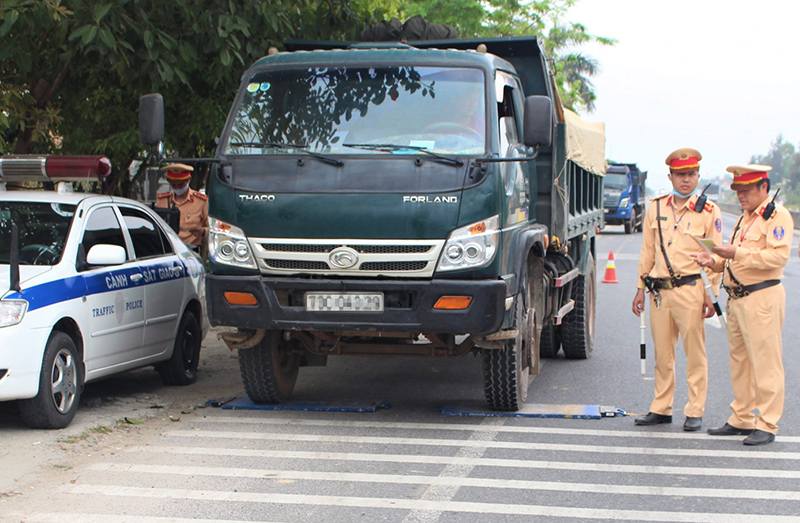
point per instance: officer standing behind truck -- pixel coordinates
(679, 302)
(193, 205)
(752, 265)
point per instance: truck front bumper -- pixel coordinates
(408, 305)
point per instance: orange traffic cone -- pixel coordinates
(611, 269)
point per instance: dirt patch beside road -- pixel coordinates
(100, 425)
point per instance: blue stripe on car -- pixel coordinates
(58, 291)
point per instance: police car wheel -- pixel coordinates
(60, 385)
(181, 369)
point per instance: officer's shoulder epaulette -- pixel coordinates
(162, 195)
(201, 196)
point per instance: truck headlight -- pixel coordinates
(472, 246)
(12, 312)
(624, 202)
(228, 245)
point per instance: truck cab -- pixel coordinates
(396, 200)
(624, 195)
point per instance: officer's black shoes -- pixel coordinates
(653, 419)
(759, 437)
(729, 430)
(692, 424)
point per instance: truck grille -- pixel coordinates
(409, 258)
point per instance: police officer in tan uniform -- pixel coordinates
(193, 205)
(679, 302)
(752, 265)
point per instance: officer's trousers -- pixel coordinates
(681, 313)
(754, 334)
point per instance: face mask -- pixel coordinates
(181, 192)
(679, 195)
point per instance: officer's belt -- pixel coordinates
(672, 283)
(740, 291)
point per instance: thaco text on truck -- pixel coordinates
(431, 200)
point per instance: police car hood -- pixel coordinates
(26, 273)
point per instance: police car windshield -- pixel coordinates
(42, 227)
(436, 109)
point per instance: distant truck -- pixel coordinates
(433, 200)
(623, 196)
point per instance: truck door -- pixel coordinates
(517, 189)
(116, 328)
(164, 280)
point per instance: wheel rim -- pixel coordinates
(64, 381)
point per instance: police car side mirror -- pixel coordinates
(151, 119)
(102, 254)
(537, 123)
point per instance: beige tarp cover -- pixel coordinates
(586, 143)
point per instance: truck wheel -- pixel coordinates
(60, 384)
(505, 371)
(269, 370)
(550, 341)
(640, 221)
(630, 224)
(577, 331)
(181, 369)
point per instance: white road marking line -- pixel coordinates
(61, 517)
(640, 434)
(450, 481)
(447, 490)
(419, 504)
(513, 445)
(482, 462)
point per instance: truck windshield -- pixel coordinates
(438, 109)
(616, 181)
(43, 229)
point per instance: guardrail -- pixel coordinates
(735, 209)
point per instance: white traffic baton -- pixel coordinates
(642, 340)
(714, 300)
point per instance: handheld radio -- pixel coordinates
(769, 209)
(701, 200)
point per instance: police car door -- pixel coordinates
(115, 297)
(164, 278)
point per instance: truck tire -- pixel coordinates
(577, 331)
(505, 371)
(550, 341)
(269, 370)
(640, 220)
(60, 384)
(181, 369)
(630, 224)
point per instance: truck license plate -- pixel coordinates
(344, 302)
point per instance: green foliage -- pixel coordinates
(495, 18)
(72, 71)
(784, 159)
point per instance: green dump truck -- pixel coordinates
(425, 200)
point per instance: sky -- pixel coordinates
(720, 76)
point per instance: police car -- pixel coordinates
(90, 286)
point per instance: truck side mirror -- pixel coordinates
(538, 121)
(151, 119)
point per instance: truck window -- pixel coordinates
(616, 180)
(322, 109)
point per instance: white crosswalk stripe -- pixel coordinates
(278, 467)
